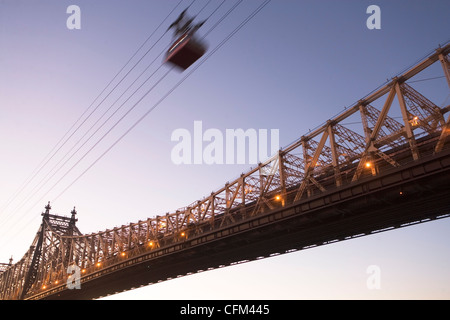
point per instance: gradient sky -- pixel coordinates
(292, 67)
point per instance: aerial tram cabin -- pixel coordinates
(185, 52)
(186, 49)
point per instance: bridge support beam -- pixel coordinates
(407, 123)
(444, 134)
(445, 66)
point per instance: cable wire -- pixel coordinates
(194, 68)
(44, 162)
(34, 191)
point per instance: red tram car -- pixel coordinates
(185, 51)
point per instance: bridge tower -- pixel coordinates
(49, 255)
(46, 245)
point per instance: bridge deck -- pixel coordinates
(413, 193)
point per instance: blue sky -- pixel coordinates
(292, 67)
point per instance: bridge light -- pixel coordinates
(44, 287)
(123, 254)
(83, 270)
(368, 164)
(414, 121)
(183, 234)
(150, 244)
(56, 281)
(98, 264)
(278, 197)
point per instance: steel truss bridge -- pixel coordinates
(333, 184)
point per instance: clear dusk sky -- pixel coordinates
(292, 67)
